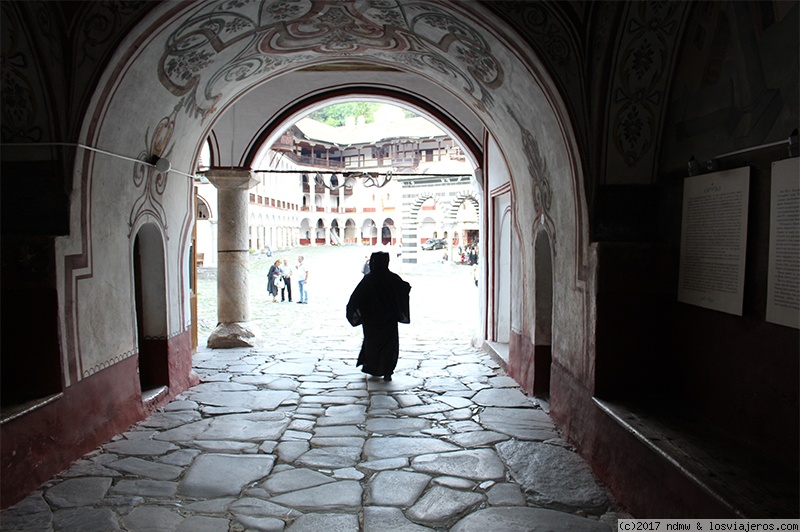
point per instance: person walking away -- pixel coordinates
(378, 304)
(302, 279)
(286, 272)
(365, 267)
(272, 279)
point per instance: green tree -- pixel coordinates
(335, 115)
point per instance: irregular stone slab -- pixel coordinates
(474, 439)
(145, 468)
(393, 447)
(168, 420)
(478, 464)
(78, 492)
(199, 523)
(460, 414)
(343, 415)
(506, 494)
(408, 400)
(338, 442)
(326, 522)
(504, 397)
(262, 524)
(254, 379)
(290, 368)
(440, 506)
(252, 400)
(329, 399)
(175, 406)
(152, 518)
(211, 506)
(336, 431)
(396, 488)
(526, 519)
(553, 475)
(296, 435)
(183, 457)
(384, 464)
(381, 519)
(89, 468)
(521, 423)
(289, 451)
(258, 426)
(455, 401)
(140, 447)
(84, 519)
(383, 402)
(214, 446)
(304, 425)
(330, 457)
(503, 381)
(293, 480)
(283, 384)
(145, 488)
(217, 475)
(455, 483)
(31, 513)
(469, 370)
(260, 507)
(340, 495)
(348, 473)
(423, 409)
(404, 426)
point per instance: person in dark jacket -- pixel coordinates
(272, 279)
(378, 304)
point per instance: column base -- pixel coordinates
(230, 335)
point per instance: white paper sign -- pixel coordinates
(783, 281)
(714, 240)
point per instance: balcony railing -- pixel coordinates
(317, 162)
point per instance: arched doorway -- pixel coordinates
(151, 310)
(543, 313)
(388, 232)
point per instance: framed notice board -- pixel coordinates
(714, 240)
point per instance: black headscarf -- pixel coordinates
(381, 296)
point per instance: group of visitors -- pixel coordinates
(469, 255)
(279, 278)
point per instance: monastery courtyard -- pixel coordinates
(290, 435)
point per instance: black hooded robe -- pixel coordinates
(378, 303)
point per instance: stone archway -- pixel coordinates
(186, 65)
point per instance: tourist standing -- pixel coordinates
(286, 272)
(301, 271)
(272, 279)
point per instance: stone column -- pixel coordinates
(233, 255)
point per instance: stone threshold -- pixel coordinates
(15, 411)
(498, 351)
(743, 480)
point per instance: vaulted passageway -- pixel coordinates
(564, 107)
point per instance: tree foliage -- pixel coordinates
(335, 115)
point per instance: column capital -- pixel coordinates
(231, 178)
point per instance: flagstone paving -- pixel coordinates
(291, 436)
(317, 445)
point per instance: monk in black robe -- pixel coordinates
(378, 304)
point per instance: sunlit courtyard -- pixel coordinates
(444, 298)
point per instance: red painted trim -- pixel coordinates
(38, 445)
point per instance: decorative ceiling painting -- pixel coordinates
(220, 45)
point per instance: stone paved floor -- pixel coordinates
(290, 435)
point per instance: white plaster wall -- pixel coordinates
(512, 110)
